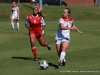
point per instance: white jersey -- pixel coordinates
(14, 11)
(64, 34)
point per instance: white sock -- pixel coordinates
(64, 60)
(62, 56)
(12, 24)
(18, 25)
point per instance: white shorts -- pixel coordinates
(15, 17)
(59, 41)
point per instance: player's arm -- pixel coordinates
(27, 23)
(61, 23)
(77, 29)
(66, 28)
(10, 13)
(42, 27)
(42, 24)
(27, 26)
(18, 12)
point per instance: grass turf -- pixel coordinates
(82, 55)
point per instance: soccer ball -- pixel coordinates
(43, 64)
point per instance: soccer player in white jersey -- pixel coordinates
(14, 15)
(63, 35)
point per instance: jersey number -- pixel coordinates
(34, 21)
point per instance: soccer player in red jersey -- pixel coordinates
(33, 24)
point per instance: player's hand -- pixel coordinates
(18, 17)
(29, 28)
(41, 32)
(10, 17)
(80, 32)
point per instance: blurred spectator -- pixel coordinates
(39, 9)
(33, 2)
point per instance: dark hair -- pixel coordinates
(14, 1)
(35, 7)
(69, 11)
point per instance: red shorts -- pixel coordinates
(37, 34)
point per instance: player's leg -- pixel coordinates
(64, 46)
(32, 41)
(17, 23)
(12, 22)
(43, 43)
(58, 47)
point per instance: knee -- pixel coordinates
(64, 49)
(11, 20)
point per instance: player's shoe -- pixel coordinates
(35, 59)
(49, 47)
(12, 28)
(17, 29)
(63, 63)
(59, 63)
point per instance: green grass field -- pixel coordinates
(83, 54)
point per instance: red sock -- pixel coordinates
(34, 52)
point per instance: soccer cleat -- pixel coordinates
(35, 59)
(63, 63)
(49, 47)
(59, 63)
(17, 29)
(12, 28)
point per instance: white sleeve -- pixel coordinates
(61, 20)
(27, 21)
(42, 21)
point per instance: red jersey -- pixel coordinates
(35, 22)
